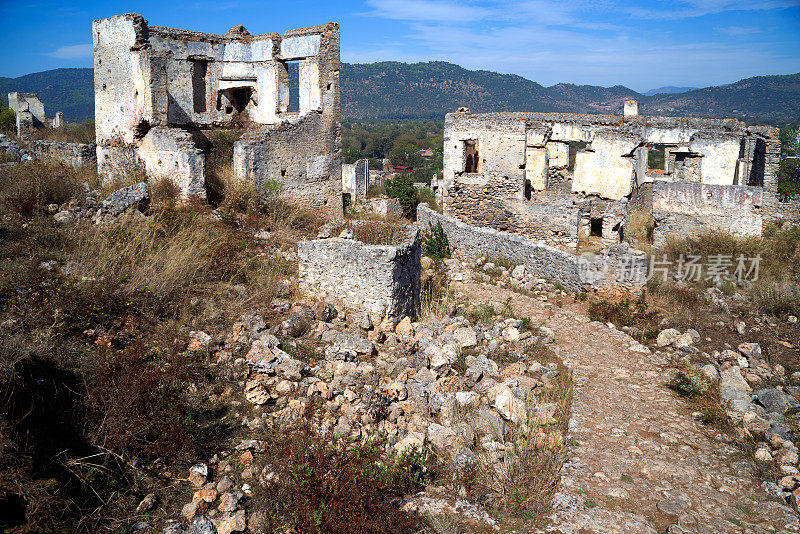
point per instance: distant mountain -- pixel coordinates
(668, 89)
(70, 91)
(761, 98)
(392, 90)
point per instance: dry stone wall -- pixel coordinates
(496, 201)
(73, 154)
(619, 267)
(382, 279)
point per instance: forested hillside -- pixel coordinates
(393, 90)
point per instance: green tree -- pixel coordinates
(789, 177)
(8, 120)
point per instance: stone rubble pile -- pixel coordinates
(13, 151)
(132, 200)
(757, 397)
(437, 384)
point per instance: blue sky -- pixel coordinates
(642, 45)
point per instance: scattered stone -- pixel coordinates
(147, 504)
(198, 475)
(202, 524)
(134, 196)
(466, 337)
(667, 337)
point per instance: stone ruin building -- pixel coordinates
(561, 178)
(30, 115)
(159, 90)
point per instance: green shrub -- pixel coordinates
(402, 188)
(689, 380)
(435, 243)
(8, 121)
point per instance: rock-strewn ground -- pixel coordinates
(638, 461)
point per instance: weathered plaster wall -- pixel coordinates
(149, 77)
(383, 279)
(519, 175)
(172, 153)
(28, 102)
(688, 209)
(606, 168)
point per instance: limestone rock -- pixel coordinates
(137, 195)
(466, 337)
(202, 524)
(509, 406)
(733, 386)
(198, 475)
(667, 337)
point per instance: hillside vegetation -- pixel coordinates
(429, 90)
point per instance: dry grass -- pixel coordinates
(70, 133)
(639, 230)
(778, 286)
(164, 192)
(27, 188)
(528, 477)
(331, 484)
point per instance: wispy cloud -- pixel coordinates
(72, 51)
(740, 30)
(598, 41)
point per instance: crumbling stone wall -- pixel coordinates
(494, 201)
(382, 279)
(619, 268)
(30, 114)
(30, 108)
(523, 182)
(685, 209)
(157, 89)
(74, 154)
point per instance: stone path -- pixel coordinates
(637, 460)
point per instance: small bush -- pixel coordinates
(402, 188)
(623, 312)
(164, 191)
(331, 484)
(435, 243)
(689, 380)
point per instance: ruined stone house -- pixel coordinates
(159, 90)
(560, 177)
(29, 111)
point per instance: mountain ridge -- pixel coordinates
(396, 90)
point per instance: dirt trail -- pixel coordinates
(637, 460)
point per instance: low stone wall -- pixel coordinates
(683, 209)
(74, 154)
(783, 212)
(619, 267)
(382, 279)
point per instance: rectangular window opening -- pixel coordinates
(293, 69)
(199, 71)
(471, 156)
(596, 227)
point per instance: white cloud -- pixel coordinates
(740, 30)
(72, 52)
